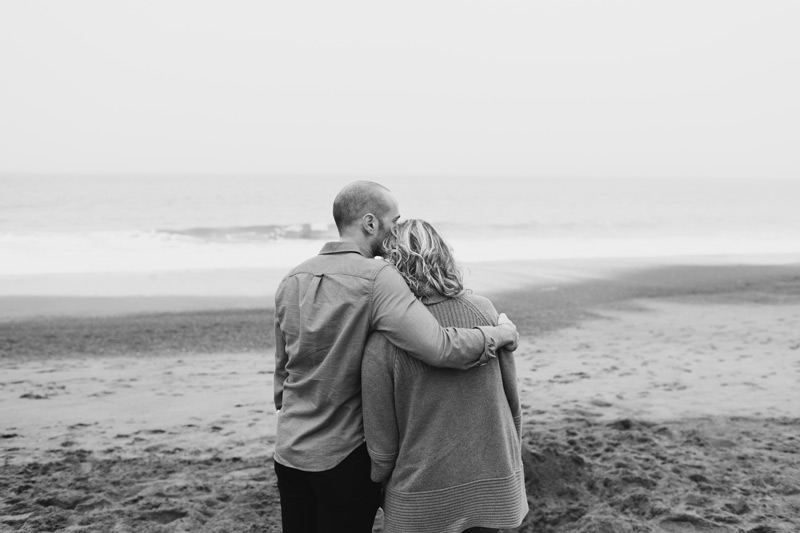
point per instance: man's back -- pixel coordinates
(323, 318)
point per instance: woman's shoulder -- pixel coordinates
(483, 304)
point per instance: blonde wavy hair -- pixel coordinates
(424, 259)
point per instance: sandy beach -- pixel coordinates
(657, 398)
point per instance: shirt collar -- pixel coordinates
(337, 247)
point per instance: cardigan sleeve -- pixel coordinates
(508, 369)
(377, 394)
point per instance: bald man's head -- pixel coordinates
(356, 200)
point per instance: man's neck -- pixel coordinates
(363, 247)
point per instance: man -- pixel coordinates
(325, 309)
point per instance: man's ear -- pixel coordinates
(369, 223)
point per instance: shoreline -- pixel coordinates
(119, 293)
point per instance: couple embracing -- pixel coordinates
(395, 387)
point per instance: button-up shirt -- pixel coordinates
(325, 309)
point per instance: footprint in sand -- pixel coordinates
(569, 378)
(151, 431)
(35, 396)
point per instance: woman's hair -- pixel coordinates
(424, 259)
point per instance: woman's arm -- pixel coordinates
(508, 370)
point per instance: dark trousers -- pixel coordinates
(342, 499)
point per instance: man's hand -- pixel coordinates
(510, 339)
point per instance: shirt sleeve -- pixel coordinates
(378, 407)
(280, 363)
(409, 325)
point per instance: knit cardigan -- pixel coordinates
(446, 443)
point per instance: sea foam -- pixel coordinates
(102, 224)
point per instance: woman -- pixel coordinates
(445, 443)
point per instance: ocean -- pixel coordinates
(88, 224)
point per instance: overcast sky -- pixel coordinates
(531, 88)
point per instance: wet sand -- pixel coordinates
(656, 399)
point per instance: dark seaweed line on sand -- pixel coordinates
(229, 331)
(534, 310)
